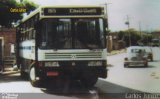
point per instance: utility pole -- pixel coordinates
(106, 13)
(109, 38)
(128, 24)
(140, 30)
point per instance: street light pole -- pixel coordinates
(108, 38)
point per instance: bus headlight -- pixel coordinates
(95, 63)
(51, 64)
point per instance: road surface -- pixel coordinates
(119, 83)
(143, 79)
(102, 90)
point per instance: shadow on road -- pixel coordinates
(75, 90)
(74, 87)
(102, 90)
(150, 66)
(10, 78)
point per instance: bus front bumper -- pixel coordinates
(70, 71)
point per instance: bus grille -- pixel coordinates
(73, 55)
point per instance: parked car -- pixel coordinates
(149, 53)
(155, 42)
(136, 56)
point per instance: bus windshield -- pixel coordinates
(72, 34)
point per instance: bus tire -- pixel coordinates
(89, 80)
(146, 64)
(126, 65)
(23, 74)
(32, 77)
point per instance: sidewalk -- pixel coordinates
(9, 71)
(114, 52)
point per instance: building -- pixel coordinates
(113, 42)
(7, 42)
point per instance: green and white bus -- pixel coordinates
(59, 43)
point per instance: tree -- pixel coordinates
(136, 37)
(29, 5)
(147, 38)
(7, 17)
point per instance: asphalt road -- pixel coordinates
(102, 90)
(145, 79)
(119, 83)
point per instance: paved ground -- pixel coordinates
(143, 79)
(120, 82)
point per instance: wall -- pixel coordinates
(9, 37)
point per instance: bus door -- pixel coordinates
(1, 56)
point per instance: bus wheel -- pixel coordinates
(146, 64)
(126, 65)
(23, 74)
(32, 77)
(89, 80)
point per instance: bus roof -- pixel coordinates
(31, 15)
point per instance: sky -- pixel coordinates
(142, 14)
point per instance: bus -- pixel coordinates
(56, 44)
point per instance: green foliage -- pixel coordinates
(7, 17)
(147, 39)
(30, 6)
(135, 36)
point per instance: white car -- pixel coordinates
(136, 56)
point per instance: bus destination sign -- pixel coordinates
(72, 11)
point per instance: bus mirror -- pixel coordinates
(107, 31)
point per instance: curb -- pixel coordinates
(117, 52)
(9, 73)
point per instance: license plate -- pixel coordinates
(52, 73)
